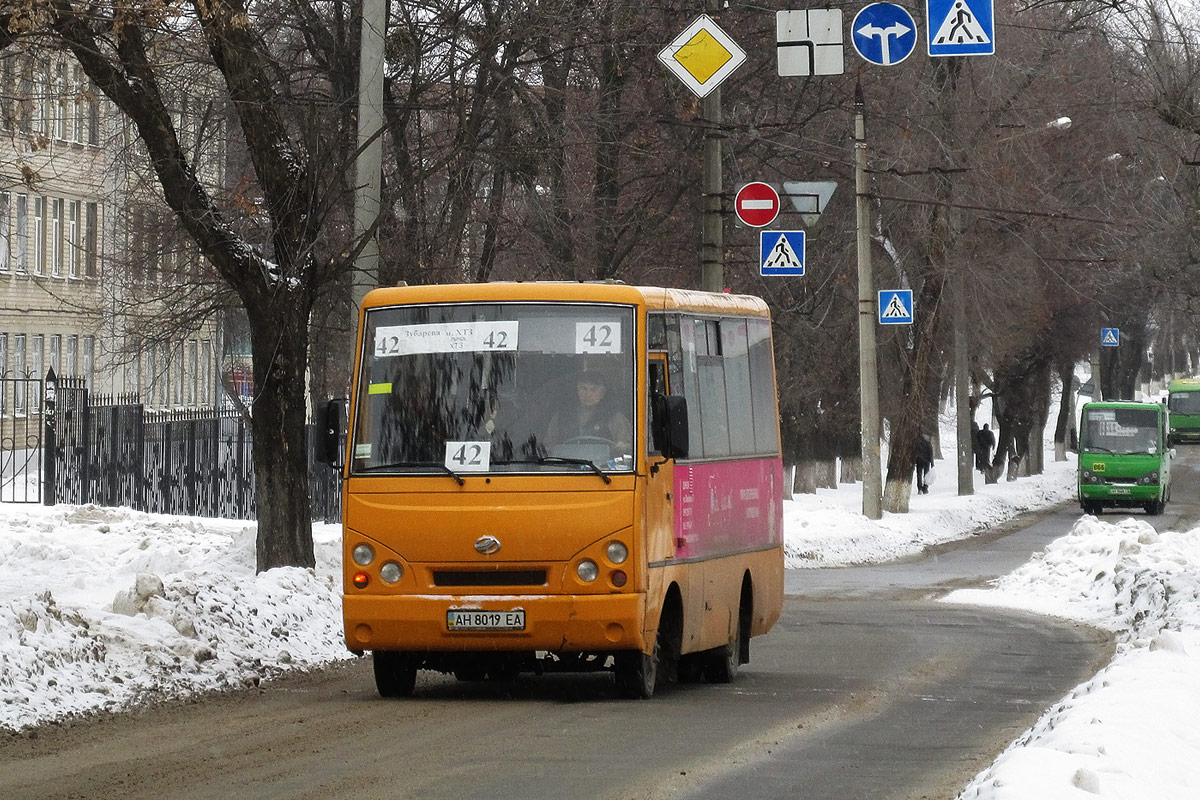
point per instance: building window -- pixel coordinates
(56, 353)
(38, 367)
(22, 233)
(60, 104)
(89, 359)
(72, 355)
(193, 372)
(38, 249)
(73, 238)
(56, 236)
(91, 238)
(19, 369)
(5, 233)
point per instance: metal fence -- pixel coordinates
(20, 438)
(112, 451)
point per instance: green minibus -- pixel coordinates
(1124, 457)
(1183, 401)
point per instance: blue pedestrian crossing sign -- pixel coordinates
(895, 307)
(781, 252)
(960, 27)
(884, 34)
(1110, 337)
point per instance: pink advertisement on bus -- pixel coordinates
(727, 506)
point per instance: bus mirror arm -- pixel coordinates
(670, 427)
(329, 436)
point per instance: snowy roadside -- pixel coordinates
(104, 609)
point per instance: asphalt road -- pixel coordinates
(867, 688)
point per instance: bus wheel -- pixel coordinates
(637, 674)
(723, 662)
(1154, 507)
(395, 673)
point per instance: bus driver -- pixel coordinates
(592, 417)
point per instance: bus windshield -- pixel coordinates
(496, 387)
(1121, 430)
(1184, 402)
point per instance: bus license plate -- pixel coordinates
(461, 619)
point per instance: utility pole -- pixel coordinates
(368, 172)
(868, 374)
(712, 248)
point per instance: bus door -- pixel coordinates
(659, 522)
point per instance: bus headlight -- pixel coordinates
(617, 552)
(391, 572)
(587, 570)
(1149, 479)
(363, 554)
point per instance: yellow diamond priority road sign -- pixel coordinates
(702, 56)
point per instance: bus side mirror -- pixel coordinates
(671, 426)
(329, 434)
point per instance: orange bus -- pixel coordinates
(560, 476)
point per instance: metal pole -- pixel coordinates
(368, 179)
(712, 248)
(868, 375)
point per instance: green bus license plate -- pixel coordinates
(460, 619)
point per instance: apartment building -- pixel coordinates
(81, 269)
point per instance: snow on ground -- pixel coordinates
(104, 609)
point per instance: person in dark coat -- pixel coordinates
(985, 440)
(924, 463)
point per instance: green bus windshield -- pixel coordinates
(1121, 431)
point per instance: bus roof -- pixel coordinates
(1184, 385)
(1120, 404)
(571, 291)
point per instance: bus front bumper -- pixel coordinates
(1120, 495)
(554, 623)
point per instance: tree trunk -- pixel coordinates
(279, 338)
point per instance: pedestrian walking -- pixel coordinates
(985, 441)
(924, 463)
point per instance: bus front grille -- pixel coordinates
(490, 577)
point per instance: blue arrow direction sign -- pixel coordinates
(1110, 337)
(884, 34)
(960, 27)
(895, 307)
(781, 253)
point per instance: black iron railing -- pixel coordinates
(112, 451)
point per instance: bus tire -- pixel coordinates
(723, 662)
(395, 673)
(637, 674)
(1154, 507)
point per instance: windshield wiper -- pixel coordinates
(1098, 448)
(584, 462)
(411, 465)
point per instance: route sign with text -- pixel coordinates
(884, 34)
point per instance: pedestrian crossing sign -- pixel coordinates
(960, 27)
(895, 307)
(781, 253)
(1110, 337)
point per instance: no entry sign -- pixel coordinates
(756, 204)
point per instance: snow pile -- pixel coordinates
(1131, 731)
(102, 609)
